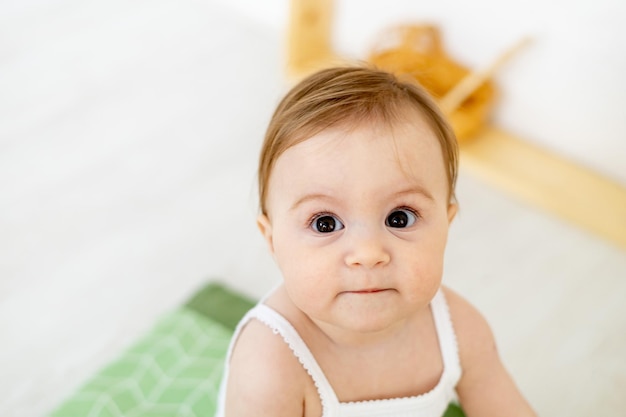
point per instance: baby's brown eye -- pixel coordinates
(326, 224)
(401, 218)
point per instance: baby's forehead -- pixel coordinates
(411, 123)
(374, 159)
(402, 140)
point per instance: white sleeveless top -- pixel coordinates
(431, 404)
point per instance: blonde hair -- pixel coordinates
(343, 95)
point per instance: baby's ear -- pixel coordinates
(452, 210)
(264, 225)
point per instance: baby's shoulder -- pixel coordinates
(259, 348)
(264, 370)
(485, 387)
(474, 336)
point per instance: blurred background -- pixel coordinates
(129, 133)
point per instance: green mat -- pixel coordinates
(173, 370)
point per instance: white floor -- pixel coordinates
(128, 141)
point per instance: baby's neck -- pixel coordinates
(358, 342)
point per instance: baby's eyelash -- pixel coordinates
(409, 208)
(317, 215)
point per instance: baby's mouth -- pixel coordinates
(369, 290)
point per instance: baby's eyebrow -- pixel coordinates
(309, 197)
(404, 192)
(415, 190)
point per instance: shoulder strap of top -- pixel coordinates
(446, 336)
(280, 325)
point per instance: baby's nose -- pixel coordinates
(366, 249)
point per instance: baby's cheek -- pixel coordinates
(426, 277)
(304, 291)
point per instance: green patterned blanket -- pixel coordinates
(173, 370)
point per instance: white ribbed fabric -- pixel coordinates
(431, 404)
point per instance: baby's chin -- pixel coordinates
(370, 313)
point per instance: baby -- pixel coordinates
(356, 182)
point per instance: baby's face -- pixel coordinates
(358, 221)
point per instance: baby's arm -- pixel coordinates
(485, 389)
(265, 377)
